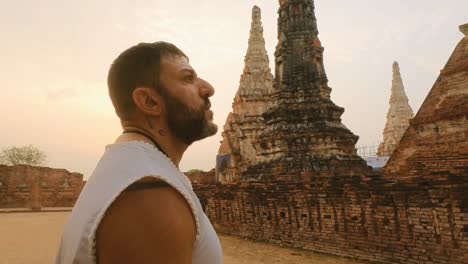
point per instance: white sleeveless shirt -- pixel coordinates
(121, 165)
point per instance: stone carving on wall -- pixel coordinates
(65, 184)
(22, 185)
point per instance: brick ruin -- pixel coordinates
(245, 122)
(33, 187)
(398, 115)
(201, 177)
(309, 189)
(435, 146)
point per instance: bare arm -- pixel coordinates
(147, 225)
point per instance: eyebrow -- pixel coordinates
(190, 71)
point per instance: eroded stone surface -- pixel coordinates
(202, 177)
(398, 115)
(303, 125)
(245, 122)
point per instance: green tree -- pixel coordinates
(27, 155)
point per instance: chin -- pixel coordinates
(210, 129)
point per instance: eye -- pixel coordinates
(189, 78)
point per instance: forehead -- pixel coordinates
(173, 64)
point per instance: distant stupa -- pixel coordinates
(245, 121)
(398, 115)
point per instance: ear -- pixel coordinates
(147, 101)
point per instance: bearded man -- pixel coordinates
(137, 207)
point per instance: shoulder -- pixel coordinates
(149, 222)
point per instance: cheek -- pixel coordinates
(188, 96)
(193, 100)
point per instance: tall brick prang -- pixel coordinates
(303, 125)
(398, 115)
(245, 121)
(303, 121)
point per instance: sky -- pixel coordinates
(55, 55)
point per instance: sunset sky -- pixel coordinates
(55, 55)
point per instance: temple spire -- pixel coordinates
(245, 121)
(434, 146)
(398, 90)
(302, 123)
(398, 115)
(257, 64)
(256, 40)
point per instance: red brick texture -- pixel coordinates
(414, 211)
(36, 187)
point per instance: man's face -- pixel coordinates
(186, 99)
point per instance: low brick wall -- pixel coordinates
(359, 217)
(36, 187)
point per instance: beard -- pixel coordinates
(187, 124)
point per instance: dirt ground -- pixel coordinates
(33, 238)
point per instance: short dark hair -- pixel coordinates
(138, 66)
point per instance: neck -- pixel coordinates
(173, 147)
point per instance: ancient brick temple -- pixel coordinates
(33, 187)
(435, 146)
(310, 190)
(398, 115)
(201, 177)
(303, 126)
(245, 122)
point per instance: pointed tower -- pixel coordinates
(435, 145)
(245, 122)
(302, 123)
(398, 115)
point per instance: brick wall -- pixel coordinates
(202, 177)
(36, 187)
(361, 217)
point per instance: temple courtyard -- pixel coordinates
(33, 238)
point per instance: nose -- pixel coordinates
(205, 90)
